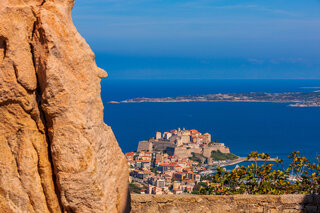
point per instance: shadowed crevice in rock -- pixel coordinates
(25, 175)
(3, 48)
(43, 119)
(44, 1)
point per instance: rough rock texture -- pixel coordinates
(225, 204)
(56, 154)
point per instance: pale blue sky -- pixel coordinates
(203, 39)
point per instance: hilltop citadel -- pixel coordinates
(173, 162)
(182, 143)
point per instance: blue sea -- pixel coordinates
(273, 128)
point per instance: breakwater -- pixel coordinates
(243, 159)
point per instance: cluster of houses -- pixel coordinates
(159, 173)
(164, 164)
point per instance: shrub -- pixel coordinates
(301, 177)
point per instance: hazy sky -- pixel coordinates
(202, 38)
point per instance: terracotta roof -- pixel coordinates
(130, 153)
(143, 161)
(168, 164)
(145, 156)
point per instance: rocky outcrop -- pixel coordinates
(57, 155)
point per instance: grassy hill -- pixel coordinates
(197, 157)
(217, 155)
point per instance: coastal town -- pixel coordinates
(176, 161)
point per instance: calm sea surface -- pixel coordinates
(265, 127)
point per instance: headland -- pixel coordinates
(295, 99)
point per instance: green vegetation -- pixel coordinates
(301, 177)
(202, 184)
(217, 155)
(197, 157)
(198, 186)
(134, 188)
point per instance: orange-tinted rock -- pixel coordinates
(57, 155)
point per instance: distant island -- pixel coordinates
(296, 99)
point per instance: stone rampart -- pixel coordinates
(144, 146)
(225, 203)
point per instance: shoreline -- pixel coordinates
(290, 104)
(293, 99)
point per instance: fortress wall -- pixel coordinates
(225, 203)
(144, 146)
(182, 152)
(196, 150)
(225, 150)
(207, 150)
(162, 145)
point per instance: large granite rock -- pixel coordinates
(56, 153)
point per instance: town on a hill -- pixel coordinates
(173, 162)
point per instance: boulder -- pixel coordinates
(57, 155)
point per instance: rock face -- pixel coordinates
(57, 155)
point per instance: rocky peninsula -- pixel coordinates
(295, 99)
